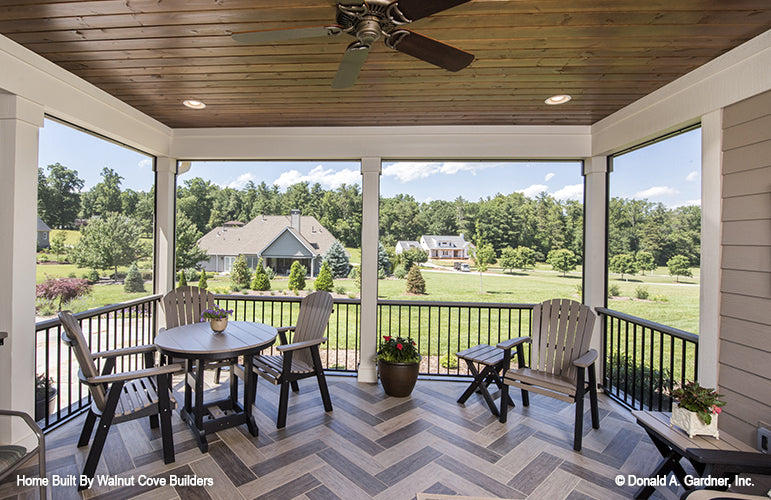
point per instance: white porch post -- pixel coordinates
(20, 120)
(165, 216)
(595, 235)
(370, 171)
(711, 214)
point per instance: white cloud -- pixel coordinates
(329, 178)
(657, 191)
(241, 181)
(692, 176)
(145, 163)
(687, 203)
(532, 191)
(570, 192)
(549, 176)
(406, 171)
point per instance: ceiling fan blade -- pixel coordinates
(418, 9)
(353, 60)
(286, 34)
(432, 51)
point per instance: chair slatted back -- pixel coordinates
(561, 332)
(73, 337)
(315, 310)
(184, 305)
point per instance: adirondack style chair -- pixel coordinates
(183, 306)
(119, 397)
(559, 359)
(301, 358)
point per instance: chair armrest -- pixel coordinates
(132, 375)
(27, 420)
(508, 344)
(301, 345)
(125, 351)
(282, 333)
(732, 461)
(586, 360)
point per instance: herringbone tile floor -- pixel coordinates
(369, 446)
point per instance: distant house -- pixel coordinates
(278, 239)
(43, 233)
(403, 246)
(446, 247)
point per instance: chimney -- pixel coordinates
(295, 219)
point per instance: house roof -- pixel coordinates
(408, 243)
(254, 237)
(42, 226)
(433, 241)
(153, 55)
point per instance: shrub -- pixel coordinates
(660, 298)
(415, 282)
(147, 275)
(297, 276)
(324, 279)
(579, 289)
(192, 275)
(42, 257)
(63, 289)
(45, 307)
(260, 280)
(640, 384)
(449, 362)
(182, 278)
(235, 288)
(72, 275)
(340, 290)
(202, 284)
(400, 272)
(93, 276)
(240, 275)
(134, 282)
(270, 273)
(641, 292)
(614, 290)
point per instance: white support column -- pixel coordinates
(711, 213)
(370, 171)
(20, 121)
(165, 216)
(595, 236)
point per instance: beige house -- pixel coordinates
(278, 239)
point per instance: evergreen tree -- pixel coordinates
(338, 260)
(134, 282)
(415, 282)
(297, 276)
(188, 253)
(182, 278)
(260, 280)
(383, 261)
(240, 274)
(324, 279)
(202, 284)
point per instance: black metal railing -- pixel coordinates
(62, 396)
(644, 360)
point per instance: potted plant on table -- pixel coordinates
(45, 392)
(398, 362)
(217, 318)
(697, 409)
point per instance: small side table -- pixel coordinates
(490, 360)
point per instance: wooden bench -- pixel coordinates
(717, 458)
(491, 358)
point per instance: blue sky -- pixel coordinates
(666, 172)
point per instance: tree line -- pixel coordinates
(505, 221)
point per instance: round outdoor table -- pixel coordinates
(197, 343)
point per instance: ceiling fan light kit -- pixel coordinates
(368, 22)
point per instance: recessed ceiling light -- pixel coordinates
(558, 99)
(194, 104)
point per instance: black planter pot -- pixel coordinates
(44, 405)
(398, 379)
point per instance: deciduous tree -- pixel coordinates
(108, 242)
(679, 266)
(623, 263)
(562, 260)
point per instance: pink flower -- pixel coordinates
(387, 338)
(716, 409)
(399, 346)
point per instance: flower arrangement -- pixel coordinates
(702, 400)
(215, 313)
(398, 350)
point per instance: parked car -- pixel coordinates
(462, 266)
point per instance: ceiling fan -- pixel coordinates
(368, 22)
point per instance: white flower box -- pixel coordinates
(690, 422)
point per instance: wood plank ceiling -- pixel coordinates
(153, 54)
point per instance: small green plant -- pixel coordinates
(614, 291)
(704, 401)
(45, 307)
(641, 292)
(415, 283)
(449, 362)
(182, 278)
(324, 279)
(297, 276)
(398, 350)
(260, 280)
(134, 282)
(202, 283)
(579, 289)
(660, 298)
(400, 272)
(340, 290)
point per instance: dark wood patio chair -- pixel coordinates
(299, 359)
(14, 456)
(728, 465)
(559, 360)
(183, 306)
(119, 397)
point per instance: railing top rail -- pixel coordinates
(53, 322)
(431, 303)
(681, 334)
(275, 298)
